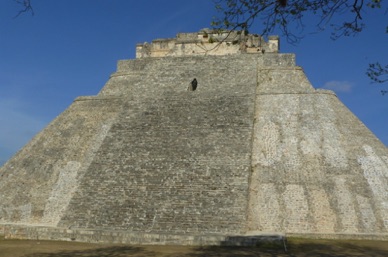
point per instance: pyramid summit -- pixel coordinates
(253, 150)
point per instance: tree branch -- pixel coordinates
(377, 73)
(27, 7)
(283, 14)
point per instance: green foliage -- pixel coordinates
(288, 15)
(212, 40)
(271, 245)
(377, 72)
(374, 4)
(345, 18)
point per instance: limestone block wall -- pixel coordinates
(254, 148)
(316, 167)
(175, 161)
(37, 184)
(228, 75)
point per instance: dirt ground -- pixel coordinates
(296, 247)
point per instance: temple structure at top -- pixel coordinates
(208, 42)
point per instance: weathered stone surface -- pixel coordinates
(314, 169)
(37, 184)
(208, 42)
(178, 161)
(254, 149)
(125, 237)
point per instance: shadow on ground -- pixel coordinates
(296, 248)
(116, 251)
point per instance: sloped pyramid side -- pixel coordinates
(45, 173)
(175, 161)
(254, 149)
(316, 167)
(156, 158)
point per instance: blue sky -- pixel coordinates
(70, 48)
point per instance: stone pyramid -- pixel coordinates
(255, 149)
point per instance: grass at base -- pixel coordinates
(295, 247)
(327, 247)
